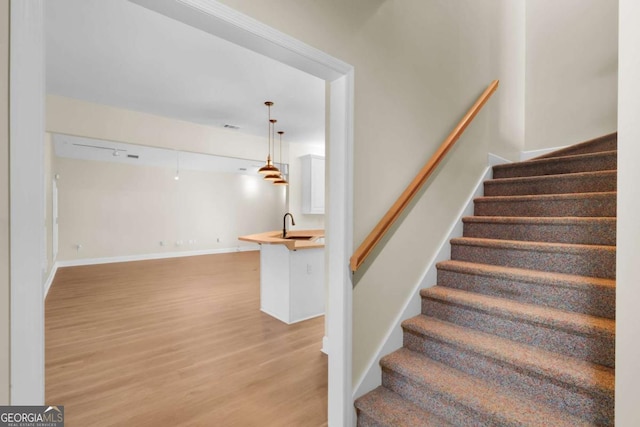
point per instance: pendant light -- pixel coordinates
(269, 168)
(275, 174)
(281, 180)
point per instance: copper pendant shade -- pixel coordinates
(269, 169)
(273, 174)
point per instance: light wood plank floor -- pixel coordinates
(179, 342)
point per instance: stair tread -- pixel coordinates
(526, 275)
(555, 367)
(549, 229)
(583, 324)
(391, 409)
(563, 176)
(558, 159)
(476, 394)
(540, 197)
(546, 220)
(531, 246)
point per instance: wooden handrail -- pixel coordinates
(363, 251)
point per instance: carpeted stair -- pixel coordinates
(520, 328)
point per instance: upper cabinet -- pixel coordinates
(312, 170)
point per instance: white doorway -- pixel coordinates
(27, 130)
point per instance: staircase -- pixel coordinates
(520, 328)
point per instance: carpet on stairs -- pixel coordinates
(519, 329)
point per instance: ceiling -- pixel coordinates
(118, 53)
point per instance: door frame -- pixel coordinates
(27, 106)
(26, 194)
(54, 218)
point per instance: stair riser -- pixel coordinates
(597, 349)
(590, 300)
(594, 262)
(596, 233)
(547, 207)
(553, 167)
(590, 406)
(365, 421)
(383, 408)
(561, 185)
(433, 400)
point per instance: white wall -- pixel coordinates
(510, 141)
(296, 150)
(628, 250)
(571, 71)
(4, 204)
(114, 209)
(419, 65)
(118, 210)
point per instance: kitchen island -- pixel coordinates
(291, 274)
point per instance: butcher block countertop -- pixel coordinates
(296, 239)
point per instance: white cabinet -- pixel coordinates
(291, 282)
(312, 170)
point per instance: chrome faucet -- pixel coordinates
(284, 224)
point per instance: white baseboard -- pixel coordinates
(142, 257)
(325, 345)
(313, 316)
(526, 155)
(267, 312)
(161, 255)
(494, 159)
(49, 281)
(393, 340)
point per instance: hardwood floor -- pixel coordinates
(179, 342)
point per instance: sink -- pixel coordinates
(296, 239)
(299, 237)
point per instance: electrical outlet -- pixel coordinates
(218, 240)
(309, 269)
(162, 243)
(179, 242)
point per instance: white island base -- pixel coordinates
(291, 282)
